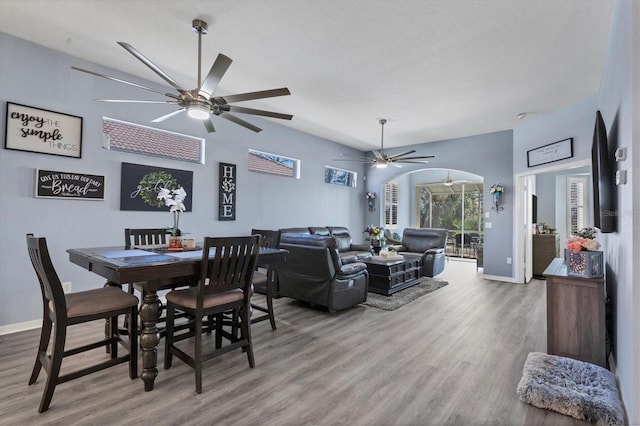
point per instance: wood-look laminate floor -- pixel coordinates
(452, 357)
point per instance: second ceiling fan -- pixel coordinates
(382, 160)
(200, 103)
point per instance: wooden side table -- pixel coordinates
(575, 315)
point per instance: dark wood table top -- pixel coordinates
(124, 266)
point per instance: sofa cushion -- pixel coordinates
(342, 237)
(295, 231)
(319, 230)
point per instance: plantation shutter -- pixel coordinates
(391, 204)
(575, 209)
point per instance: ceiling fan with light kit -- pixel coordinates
(382, 160)
(199, 103)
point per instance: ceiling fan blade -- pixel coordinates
(216, 73)
(354, 160)
(357, 157)
(396, 165)
(403, 153)
(240, 122)
(153, 67)
(164, 117)
(254, 95)
(260, 112)
(171, 95)
(418, 157)
(209, 125)
(378, 154)
(411, 161)
(137, 101)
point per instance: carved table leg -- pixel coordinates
(149, 339)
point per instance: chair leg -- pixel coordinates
(218, 325)
(45, 335)
(133, 342)
(113, 332)
(168, 338)
(59, 338)
(272, 317)
(245, 326)
(197, 357)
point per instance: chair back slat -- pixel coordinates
(231, 265)
(268, 238)
(144, 236)
(50, 284)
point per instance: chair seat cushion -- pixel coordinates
(92, 302)
(188, 297)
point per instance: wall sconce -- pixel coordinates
(371, 200)
(496, 192)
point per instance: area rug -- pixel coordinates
(402, 297)
(574, 388)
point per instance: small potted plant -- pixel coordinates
(174, 199)
(582, 256)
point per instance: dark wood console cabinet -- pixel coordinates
(575, 315)
(546, 247)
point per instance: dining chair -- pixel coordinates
(138, 237)
(224, 285)
(64, 310)
(266, 278)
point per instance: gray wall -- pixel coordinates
(619, 101)
(490, 156)
(42, 78)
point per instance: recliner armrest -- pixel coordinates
(352, 268)
(398, 247)
(360, 247)
(434, 251)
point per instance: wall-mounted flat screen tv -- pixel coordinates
(604, 190)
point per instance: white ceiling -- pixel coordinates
(435, 69)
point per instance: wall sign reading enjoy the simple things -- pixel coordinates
(39, 130)
(69, 185)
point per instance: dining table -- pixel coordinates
(153, 268)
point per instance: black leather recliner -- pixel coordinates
(314, 273)
(347, 251)
(429, 243)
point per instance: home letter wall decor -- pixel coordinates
(227, 193)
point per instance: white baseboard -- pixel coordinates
(21, 326)
(499, 278)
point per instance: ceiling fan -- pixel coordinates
(200, 103)
(382, 160)
(448, 181)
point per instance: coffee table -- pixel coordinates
(386, 276)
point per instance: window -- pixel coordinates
(575, 203)
(129, 137)
(340, 177)
(263, 162)
(391, 205)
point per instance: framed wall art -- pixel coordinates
(139, 186)
(549, 153)
(69, 185)
(42, 131)
(227, 192)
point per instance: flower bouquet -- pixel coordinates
(582, 257)
(174, 199)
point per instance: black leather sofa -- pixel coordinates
(315, 273)
(347, 250)
(429, 243)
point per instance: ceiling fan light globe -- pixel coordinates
(381, 165)
(199, 111)
(448, 183)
